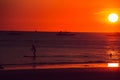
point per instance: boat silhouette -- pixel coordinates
(65, 34)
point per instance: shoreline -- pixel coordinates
(55, 66)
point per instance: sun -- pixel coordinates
(113, 17)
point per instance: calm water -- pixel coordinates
(52, 48)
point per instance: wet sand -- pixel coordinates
(103, 73)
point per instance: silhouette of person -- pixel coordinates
(34, 51)
(110, 55)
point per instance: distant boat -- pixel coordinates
(65, 34)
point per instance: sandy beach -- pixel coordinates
(62, 74)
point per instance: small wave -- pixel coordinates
(62, 56)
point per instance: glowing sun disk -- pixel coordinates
(113, 17)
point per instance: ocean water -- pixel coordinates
(54, 49)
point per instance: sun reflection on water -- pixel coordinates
(113, 64)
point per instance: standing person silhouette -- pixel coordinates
(110, 55)
(34, 51)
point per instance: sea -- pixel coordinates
(55, 48)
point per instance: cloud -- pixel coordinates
(107, 11)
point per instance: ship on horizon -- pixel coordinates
(61, 33)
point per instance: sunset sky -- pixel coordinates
(58, 15)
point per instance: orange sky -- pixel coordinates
(57, 15)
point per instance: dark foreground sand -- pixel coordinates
(62, 74)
